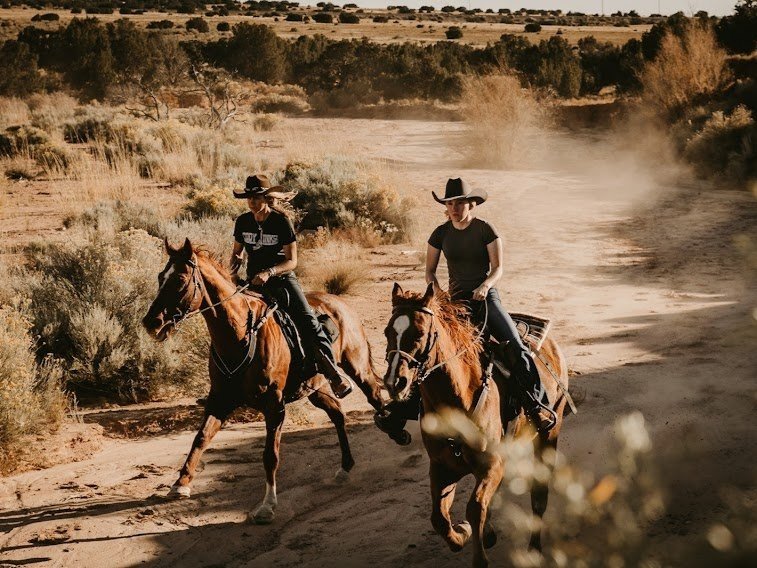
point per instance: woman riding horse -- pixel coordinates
(266, 234)
(473, 250)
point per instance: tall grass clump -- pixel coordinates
(502, 120)
(347, 198)
(687, 67)
(31, 399)
(332, 264)
(87, 297)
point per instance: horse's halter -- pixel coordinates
(181, 315)
(419, 362)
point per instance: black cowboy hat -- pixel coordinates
(259, 185)
(458, 189)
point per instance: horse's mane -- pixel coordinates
(454, 318)
(204, 253)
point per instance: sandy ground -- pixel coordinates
(650, 302)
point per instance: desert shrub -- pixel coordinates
(500, 115)
(337, 195)
(117, 216)
(160, 25)
(336, 266)
(31, 398)
(738, 32)
(454, 32)
(264, 122)
(380, 19)
(88, 295)
(685, 68)
(223, 27)
(50, 111)
(294, 17)
(286, 99)
(13, 112)
(255, 51)
(88, 62)
(19, 75)
(348, 18)
(532, 28)
(17, 139)
(323, 18)
(212, 200)
(48, 17)
(725, 145)
(198, 24)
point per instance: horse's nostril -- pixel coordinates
(400, 384)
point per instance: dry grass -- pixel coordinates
(13, 112)
(686, 68)
(333, 265)
(503, 121)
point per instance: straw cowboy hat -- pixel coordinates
(259, 186)
(458, 189)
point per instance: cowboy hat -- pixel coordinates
(259, 186)
(458, 189)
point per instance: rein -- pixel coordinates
(180, 317)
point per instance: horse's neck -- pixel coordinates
(454, 384)
(227, 319)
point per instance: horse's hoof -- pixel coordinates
(464, 529)
(490, 537)
(262, 516)
(180, 491)
(342, 476)
(403, 438)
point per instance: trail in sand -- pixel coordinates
(652, 311)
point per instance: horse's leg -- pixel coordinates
(332, 407)
(540, 489)
(358, 367)
(210, 426)
(442, 497)
(274, 420)
(478, 508)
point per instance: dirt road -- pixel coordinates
(650, 302)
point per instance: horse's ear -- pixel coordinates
(429, 295)
(186, 250)
(396, 291)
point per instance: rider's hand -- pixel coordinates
(261, 278)
(235, 263)
(481, 292)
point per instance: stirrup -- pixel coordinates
(342, 388)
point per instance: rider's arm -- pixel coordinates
(236, 256)
(290, 253)
(494, 249)
(432, 261)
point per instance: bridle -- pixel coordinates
(180, 316)
(419, 363)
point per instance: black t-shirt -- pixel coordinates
(466, 254)
(264, 242)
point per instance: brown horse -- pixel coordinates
(432, 345)
(243, 336)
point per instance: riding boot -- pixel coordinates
(340, 383)
(393, 417)
(533, 396)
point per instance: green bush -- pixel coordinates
(87, 297)
(454, 32)
(348, 18)
(336, 195)
(223, 27)
(532, 28)
(198, 24)
(323, 18)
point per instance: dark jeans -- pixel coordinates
(288, 292)
(502, 328)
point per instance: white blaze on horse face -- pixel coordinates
(401, 324)
(165, 275)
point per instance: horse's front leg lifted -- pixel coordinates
(478, 509)
(274, 420)
(442, 497)
(210, 427)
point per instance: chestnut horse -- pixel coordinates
(243, 336)
(433, 346)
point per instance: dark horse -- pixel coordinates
(432, 345)
(242, 334)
